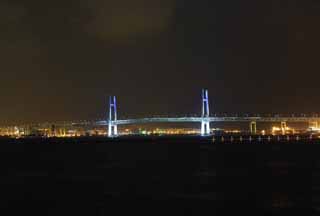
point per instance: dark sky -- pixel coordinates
(60, 59)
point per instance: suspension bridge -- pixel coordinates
(204, 119)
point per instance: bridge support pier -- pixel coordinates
(253, 127)
(205, 128)
(283, 127)
(205, 123)
(112, 121)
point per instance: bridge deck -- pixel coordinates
(213, 119)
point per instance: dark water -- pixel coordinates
(180, 176)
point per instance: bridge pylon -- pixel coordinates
(112, 120)
(205, 122)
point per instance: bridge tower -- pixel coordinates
(112, 121)
(205, 123)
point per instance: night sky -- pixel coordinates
(61, 59)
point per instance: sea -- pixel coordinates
(179, 175)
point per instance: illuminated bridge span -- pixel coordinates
(205, 119)
(214, 119)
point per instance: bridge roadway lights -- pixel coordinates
(253, 127)
(112, 125)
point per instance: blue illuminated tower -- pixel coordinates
(112, 121)
(205, 123)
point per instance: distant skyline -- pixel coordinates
(61, 59)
